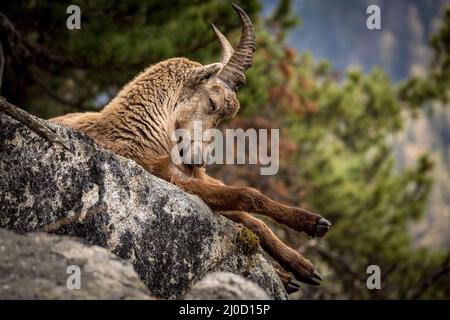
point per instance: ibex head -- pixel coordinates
(210, 93)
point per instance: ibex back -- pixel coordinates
(139, 121)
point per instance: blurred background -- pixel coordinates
(364, 114)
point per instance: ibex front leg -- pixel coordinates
(226, 198)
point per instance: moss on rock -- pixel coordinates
(247, 241)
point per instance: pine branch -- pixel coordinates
(37, 54)
(35, 124)
(442, 270)
(2, 64)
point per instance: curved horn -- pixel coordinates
(227, 49)
(233, 72)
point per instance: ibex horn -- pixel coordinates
(241, 59)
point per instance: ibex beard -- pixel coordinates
(138, 123)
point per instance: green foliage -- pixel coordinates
(420, 91)
(345, 168)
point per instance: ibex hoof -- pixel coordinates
(322, 227)
(292, 287)
(314, 279)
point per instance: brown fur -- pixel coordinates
(138, 124)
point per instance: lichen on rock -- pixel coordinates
(35, 266)
(225, 286)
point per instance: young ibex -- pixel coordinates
(139, 121)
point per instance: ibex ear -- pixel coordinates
(203, 74)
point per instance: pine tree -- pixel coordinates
(345, 165)
(51, 69)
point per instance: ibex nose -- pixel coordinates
(197, 155)
(203, 158)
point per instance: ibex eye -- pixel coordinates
(212, 105)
